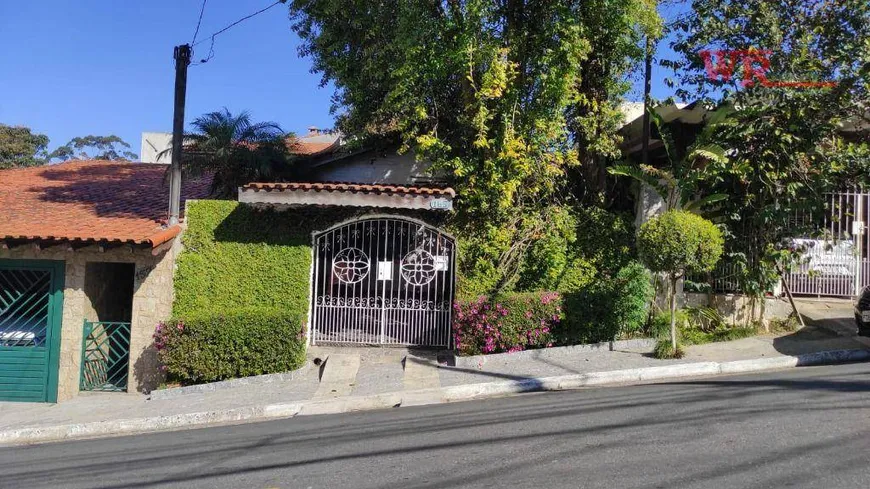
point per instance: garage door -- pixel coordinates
(31, 296)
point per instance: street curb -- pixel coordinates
(554, 353)
(174, 392)
(418, 397)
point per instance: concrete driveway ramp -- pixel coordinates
(338, 375)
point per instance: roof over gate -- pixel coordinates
(88, 202)
(348, 194)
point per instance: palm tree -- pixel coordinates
(234, 150)
(678, 184)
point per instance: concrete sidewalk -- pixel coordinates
(358, 379)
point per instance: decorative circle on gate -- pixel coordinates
(418, 267)
(350, 265)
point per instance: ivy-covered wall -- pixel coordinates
(238, 257)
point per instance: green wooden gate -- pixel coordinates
(105, 356)
(31, 304)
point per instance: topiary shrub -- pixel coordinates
(231, 344)
(507, 323)
(677, 242)
(606, 308)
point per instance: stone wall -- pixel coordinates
(737, 308)
(152, 302)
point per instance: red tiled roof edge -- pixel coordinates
(164, 236)
(153, 241)
(350, 187)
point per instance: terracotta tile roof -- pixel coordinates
(351, 187)
(303, 148)
(91, 201)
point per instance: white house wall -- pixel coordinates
(397, 169)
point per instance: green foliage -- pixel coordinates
(506, 323)
(660, 325)
(235, 150)
(233, 344)
(584, 243)
(549, 257)
(679, 183)
(785, 144)
(606, 308)
(697, 326)
(94, 147)
(664, 350)
(810, 41)
(679, 241)
(238, 257)
(20, 147)
(605, 239)
(503, 98)
(787, 325)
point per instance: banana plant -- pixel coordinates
(678, 183)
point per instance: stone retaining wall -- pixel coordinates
(152, 302)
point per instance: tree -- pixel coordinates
(504, 97)
(234, 150)
(785, 144)
(94, 148)
(677, 242)
(20, 147)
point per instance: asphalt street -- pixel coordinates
(806, 427)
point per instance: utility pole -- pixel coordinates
(182, 60)
(647, 86)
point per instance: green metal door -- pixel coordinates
(31, 304)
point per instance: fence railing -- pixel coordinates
(105, 356)
(723, 279)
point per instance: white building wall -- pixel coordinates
(152, 144)
(392, 168)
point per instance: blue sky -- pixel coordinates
(72, 68)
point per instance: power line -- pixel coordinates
(198, 22)
(211, 47)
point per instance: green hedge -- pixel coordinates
(606, 309)
(236, 257)
(230, 345)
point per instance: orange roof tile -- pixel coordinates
(304, 148)
(91, 201)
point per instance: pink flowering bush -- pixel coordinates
(507, 323)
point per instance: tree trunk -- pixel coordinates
(674, 313)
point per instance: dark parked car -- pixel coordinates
(862, 312)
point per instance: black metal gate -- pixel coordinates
(383, 280)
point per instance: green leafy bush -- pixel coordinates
(580, 245)
(679, 241)
(660, 325)
(607, 308)
(507, 323)
(697, 326)
(605, 239)
(230, 345)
